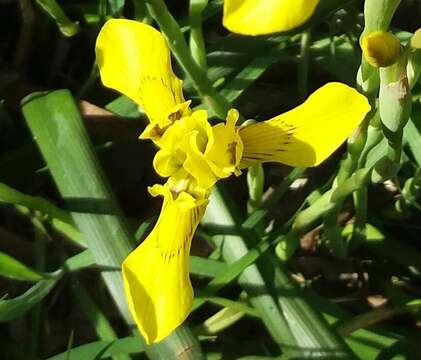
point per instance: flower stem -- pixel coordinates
(181, 51)
(197, 43)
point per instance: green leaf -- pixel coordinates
(54, 10)
(102, 349)
(124, 107)
(249, 74)
(373, 317)
(237, 306)
(14, 269)
(69, 231)
(366, 344)
(116, 7)
(386, 247)
(13, 308)
(206, 267)
(12, 196)
(219, 321)
(79, 261)
(16, 307)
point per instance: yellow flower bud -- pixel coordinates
(380, 48)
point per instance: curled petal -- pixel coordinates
(221, 156)
(183, 145)
(156, 274)
(260, 17)
(308, 134)
(225, 154)
(134, 59)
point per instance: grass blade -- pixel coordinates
(102, 349)
(13, 308)
(14, 269)
(12, 196)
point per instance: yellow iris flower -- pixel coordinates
(261, 17)
(134, 59)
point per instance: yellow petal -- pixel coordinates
(308, 134)
(156, 274)
(259, 17)
(166, 163)
(134, 59)
(225, 154)
(197, 166)
(155, 130)
(183, 145)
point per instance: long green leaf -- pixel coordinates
(12, 196)
(13, 308)
(14, 269)
(79, 261)
(206, 267)
(101, 350)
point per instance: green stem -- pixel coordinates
(348, 166)
(197, 43)
(181, 51)
(360, 224)
(255, 183)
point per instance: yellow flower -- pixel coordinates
(134, 59)
(261, 17)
